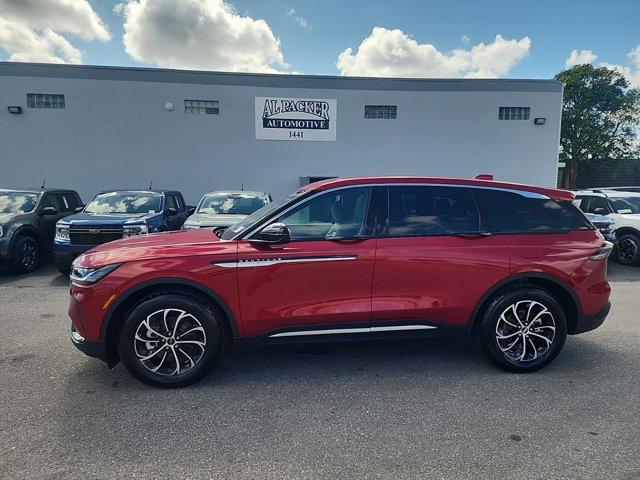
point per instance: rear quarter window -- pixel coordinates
(516, 213)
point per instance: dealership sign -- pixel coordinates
(296, 119)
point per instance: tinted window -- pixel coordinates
(337, 214)
(171, 203)
(515, 213)
(50, 201)
(591, 204)
(422, 210)
(179, 203)
(68, 202)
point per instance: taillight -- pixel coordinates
(602, 253)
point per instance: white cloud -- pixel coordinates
(199, 34)
(631, 72)
(579, 57)
(37, 30)
(465, 39)
(299, 20)
(392, 53)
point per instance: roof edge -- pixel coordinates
(149, 74)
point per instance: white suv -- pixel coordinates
(623, 208)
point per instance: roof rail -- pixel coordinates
(484, 176)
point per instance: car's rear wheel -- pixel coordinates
(25, 256)
(628, 249)
(171, 340)
(523, 330)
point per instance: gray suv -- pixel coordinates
(28, 224)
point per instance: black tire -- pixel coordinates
(628, 249)
(530, 301)
(64, 269)
(25, 255)
(195, 361)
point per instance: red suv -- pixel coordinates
(518, 266)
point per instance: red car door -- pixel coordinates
(318, 285)
(435, 260)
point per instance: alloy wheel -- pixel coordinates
(525, 331)
(28, 255)
(627, 249)
(170, 341)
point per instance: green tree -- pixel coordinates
(600, 116)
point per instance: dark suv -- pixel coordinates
(518, 266)
(27, 224)
(116, 214)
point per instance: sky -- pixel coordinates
(400, 38)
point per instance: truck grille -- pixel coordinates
(94, 235)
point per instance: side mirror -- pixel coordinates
(274, 234)
(78, 209)
(192, 210)
(48, 211)
(171, 211)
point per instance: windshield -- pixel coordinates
(17, 202)
(626, 204)
(256, 216)
(125, 202)
(231, 203)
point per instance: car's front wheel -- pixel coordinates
(523, 330)
(171, 340)
(25, 256)
(628, 249)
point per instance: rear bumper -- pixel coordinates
(93, 349)
(591, 322)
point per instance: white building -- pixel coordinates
(93, 128)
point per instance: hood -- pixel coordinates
(600, 219)
(108, 219)
(6, 217)
(156, 246)
(209, 220)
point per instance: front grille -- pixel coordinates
(94, 235)
(603, 227)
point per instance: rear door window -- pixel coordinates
(518, 213)
(430, 210)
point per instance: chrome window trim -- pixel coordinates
(260, 224)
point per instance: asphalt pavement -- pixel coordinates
(401, 410)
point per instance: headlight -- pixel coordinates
(62, 233)
(89, 276)
(132, 230)
(190, 226)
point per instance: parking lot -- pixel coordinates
(423, 409)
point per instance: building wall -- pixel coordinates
(117, 134)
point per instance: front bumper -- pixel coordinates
(586, 323)
(64, 254)
(93, 349)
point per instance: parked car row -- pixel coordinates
(38, 221)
